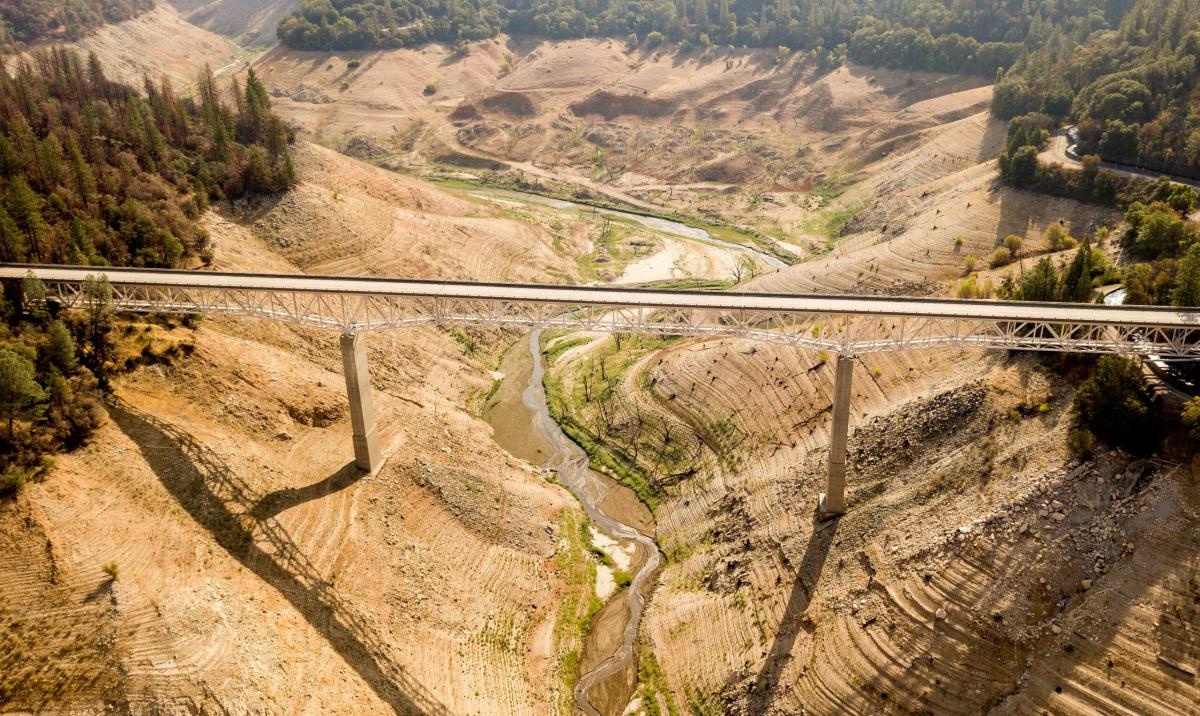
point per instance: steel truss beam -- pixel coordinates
(838, 332)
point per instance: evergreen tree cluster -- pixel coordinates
(1019, 166)
(1132, 90)
(52, 369)
(94, 172)
(24, 22)
(1073, 283)
(973, 36)
(1163, 242)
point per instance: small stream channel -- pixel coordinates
(571, 464)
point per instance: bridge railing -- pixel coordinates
(829, 331)
(846, 325)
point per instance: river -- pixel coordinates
(654, 223)
(571, 465)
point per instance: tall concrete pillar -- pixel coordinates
(362, 408)
(833, 500)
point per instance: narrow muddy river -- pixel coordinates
(666, 226)
(570, 463)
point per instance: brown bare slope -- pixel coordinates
(250, 23)
(258, 570)
(158, 43)
(949, 587)
(595, 108)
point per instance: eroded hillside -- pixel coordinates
(258, 570)
(734, 137)
(159, 43)
(981, 566)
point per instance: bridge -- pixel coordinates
(847, 325)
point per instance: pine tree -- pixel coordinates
(25, 208)
(18, 389)
(1040, 284)
(60, 350)
(85, 181)
(10, 163)
(13, 246)
(1077, 281)
(80, 249)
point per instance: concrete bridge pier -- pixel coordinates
(833, 500)
(362, 407)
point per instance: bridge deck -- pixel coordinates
(846, 324)
(866, 306)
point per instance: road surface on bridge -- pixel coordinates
(866, 306)
(848, 325)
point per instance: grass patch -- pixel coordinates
(622, 436)
(554, 352)
(831, 223)
(578, 605)
(610, 460)
(653, 685)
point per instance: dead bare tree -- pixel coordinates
(744, 269)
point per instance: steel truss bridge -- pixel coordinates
(847, 325)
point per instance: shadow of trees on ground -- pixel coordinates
(245, 526)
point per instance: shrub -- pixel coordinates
(654, 39)
(1012, 242)
(1056, 238)
(972, 287)
(12, 480)
(1115, 404)
(1081, 443)
(622, 578)
(1191, 418)
(1000, 257)
(354, 64)
(430, 90)
(112, 570)
(970, 262)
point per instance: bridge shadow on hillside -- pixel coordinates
(807, 577)
(245, 527)
(282, 500)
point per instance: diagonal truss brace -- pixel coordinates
(839, 332)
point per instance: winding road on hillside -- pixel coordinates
(1061, 150)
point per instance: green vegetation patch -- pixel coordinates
(553, 353)
(97, 173)
(653, 687)
(830, 223)
(579, 604)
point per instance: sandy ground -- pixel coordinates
(681, 259)
(159, 43)
(260, 572)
